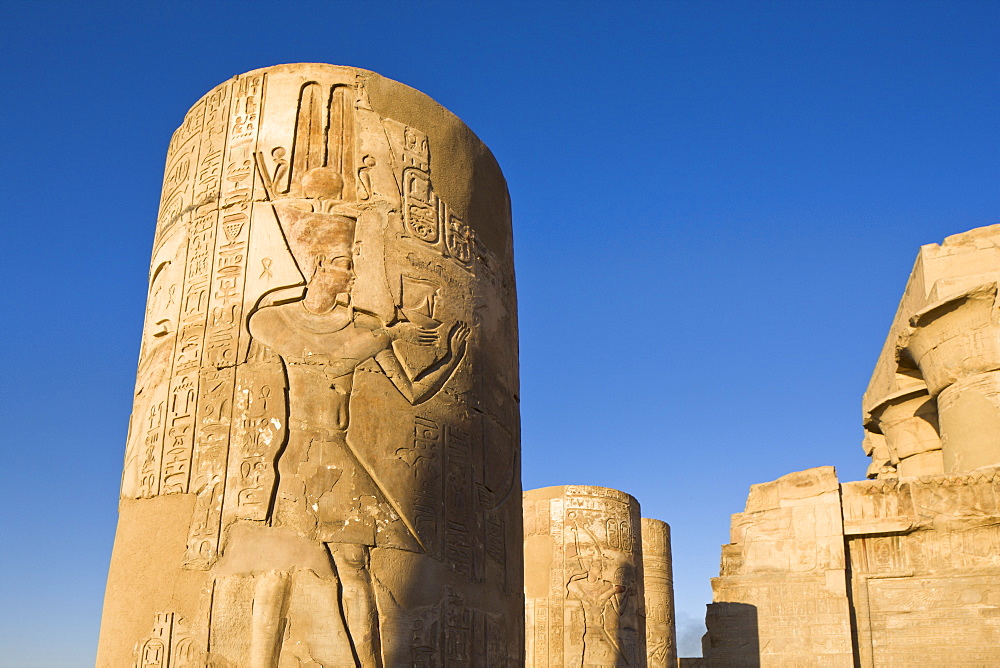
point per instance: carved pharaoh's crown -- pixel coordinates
(314, 236)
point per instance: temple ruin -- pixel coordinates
(322, 465)
(902, 569)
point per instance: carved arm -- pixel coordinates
(427, 383)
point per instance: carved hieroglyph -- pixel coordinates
(658, 580)
(781, 598)
(583, 578)
(925, 569)
(923, 583)
(322, 466)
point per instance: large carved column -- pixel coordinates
(956, 343)
(583, 578)
(661, 635)
(322, 465)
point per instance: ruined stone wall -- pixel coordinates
(922, 563)
(902, 570)
(781, 598)
(925, 569)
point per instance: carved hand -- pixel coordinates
(413, 333)
(458, 338)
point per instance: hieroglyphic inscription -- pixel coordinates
(225, 321)
(795, 622)
(935, 621)
(153, 392)
(182, 157)
(149, 478)
(467, 636)
(459, 520)
(661, 645)
(182, 423)
(584, 578)
(424, 459)
(169, 645)
(259, 430)
(426, 216)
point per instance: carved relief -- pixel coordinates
(661, 643)
(583, 578)
(309, 379)
(426, 216)
(169, 645)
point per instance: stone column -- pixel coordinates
(909, 421)
(661, 634)
(956, 343)
(883, 464)
(583, 578)
(322, 465)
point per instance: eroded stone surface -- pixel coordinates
(944, 346)
(322, 465)
(658, 580)
(781, 598)
(918, 583)
(583, 578)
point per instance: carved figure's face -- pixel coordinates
(591, 558)
(333, 276)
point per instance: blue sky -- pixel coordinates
(716, 207)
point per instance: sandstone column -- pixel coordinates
(583, 578)
(908, 419)
(322, 465)
(661, 636)
(956, 343)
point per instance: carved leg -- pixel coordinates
(270, 592)
(358, 600)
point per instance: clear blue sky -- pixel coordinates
(716, 207)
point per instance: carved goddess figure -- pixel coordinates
(325, 491)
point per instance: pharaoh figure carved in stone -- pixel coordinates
(609, 632)
(325, 431)
(325, 491)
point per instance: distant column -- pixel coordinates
(583, 578)
(658, 580)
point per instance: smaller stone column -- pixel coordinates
(909, 421)
(956, 343)
(584, 600)
(661, 634)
